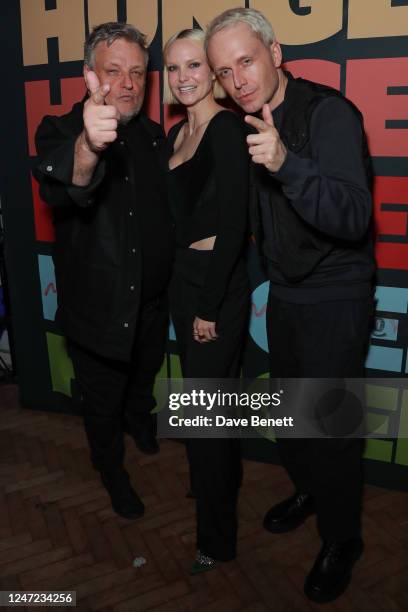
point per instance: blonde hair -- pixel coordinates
(191, 34)
(253, 18)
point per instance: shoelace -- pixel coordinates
(301, 498)
(332, 551)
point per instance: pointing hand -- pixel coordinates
(266, 147)
(100, 119)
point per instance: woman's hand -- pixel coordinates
(204, 331)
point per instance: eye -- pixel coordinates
(138, 73)
(113, 72)
(195, 65)
(171, 68)
(223, 73)
(247, 61)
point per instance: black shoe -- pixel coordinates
(289, 514)
(146, 442)
(331, 573)
(202, 563)
(124, 498)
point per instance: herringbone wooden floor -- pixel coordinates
(58, 532)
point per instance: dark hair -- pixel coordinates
(110, 32)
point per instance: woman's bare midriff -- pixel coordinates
(206, 244)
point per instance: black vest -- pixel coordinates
(298, 245)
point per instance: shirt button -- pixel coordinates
(126, 325)
(122, 143)
(132, 287)
(49, 168)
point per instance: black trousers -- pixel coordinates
(323, 340)
(215, 464)
(114, 392)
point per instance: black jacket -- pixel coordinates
(105, 252)
(316, 210)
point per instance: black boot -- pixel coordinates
(124, 498)
(331, 573)
(146, 442)
(289, 514)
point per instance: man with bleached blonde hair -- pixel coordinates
(312, 223)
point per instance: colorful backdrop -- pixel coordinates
(357, 46)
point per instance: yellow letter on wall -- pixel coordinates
(101, 11)
(66, 23)
(178, 14)
(324, 20)
(143, 15)
(371, 18)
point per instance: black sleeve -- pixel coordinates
(229, 154)
(330, 190)
(56, 152)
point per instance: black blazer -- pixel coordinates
(97, 253)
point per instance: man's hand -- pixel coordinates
(100, 125)
(266, 147)
(100, 119)
(204, 331)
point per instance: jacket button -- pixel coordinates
(126, 178)
(49, 168)
(132, 287)
(126, 325)
(154, 143)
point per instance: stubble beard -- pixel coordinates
(126, 117)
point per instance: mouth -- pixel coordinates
(187, 89)
(245, 97)
(126, 98)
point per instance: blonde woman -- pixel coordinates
(209, 296)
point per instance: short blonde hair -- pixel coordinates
(190, 34)
(254, 19)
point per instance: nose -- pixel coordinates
(182, 75)
(127, 82)
(239, 80)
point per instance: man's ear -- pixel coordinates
(276, 52)
(85, 71)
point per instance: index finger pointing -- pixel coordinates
(98, 93)
(257, 123)
(267, 115)
(92, 81)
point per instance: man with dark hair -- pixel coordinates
(100, 171)
(311, 170)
